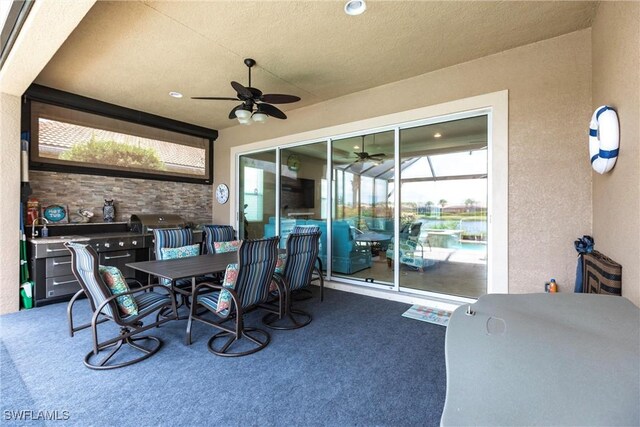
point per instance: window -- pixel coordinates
(82, 141)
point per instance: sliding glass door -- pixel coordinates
(443, 230)
(303, 190)
(257, 195)
(362, 225)
(402, 209)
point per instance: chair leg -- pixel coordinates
(270, 320)
(113, 348)
(233, 338)
(321, 285)
(273, 321)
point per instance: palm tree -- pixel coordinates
(429, 205)
(442, 203)
(469, 203)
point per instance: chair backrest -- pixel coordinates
(84, 265)
(256, 265)
(171, 238)
(217, 233)
(305, 229)
(415, 229)
(302, 252)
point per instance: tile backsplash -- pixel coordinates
(194, 202)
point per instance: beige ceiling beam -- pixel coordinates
(46, 28)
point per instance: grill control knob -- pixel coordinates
(106, 245)
(120, 243)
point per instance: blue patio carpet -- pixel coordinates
(358, 363)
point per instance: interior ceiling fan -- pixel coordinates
(255, 105)
(363, 156)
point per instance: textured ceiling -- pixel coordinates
(132, 53)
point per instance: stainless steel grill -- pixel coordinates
(146, 223)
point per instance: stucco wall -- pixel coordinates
(616, 82)
(549, 87)
(9, 213)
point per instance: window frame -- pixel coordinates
(45, 95)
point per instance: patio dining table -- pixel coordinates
(189, 267)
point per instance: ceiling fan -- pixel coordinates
(256, 106)
(363, 156)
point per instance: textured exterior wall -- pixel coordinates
(132, 196)
(616, 82)
(10, 202)
(549, 86)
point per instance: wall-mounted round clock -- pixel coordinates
(222, 193)
(293, 162)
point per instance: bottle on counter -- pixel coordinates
(553, 286)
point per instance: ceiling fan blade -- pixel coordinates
(277, 98)
(272, 111)
(232, 114)
(215, 98)
(242, 91)
(377, 155)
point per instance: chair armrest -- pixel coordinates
(281, 283)
(134, 281)
(129, 292)
(209, 285)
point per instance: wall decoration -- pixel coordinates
(108, 211)
(604, 137)
(55, 213)
(222, 194)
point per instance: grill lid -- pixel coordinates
(144, 223)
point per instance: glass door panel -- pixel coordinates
(257, 198)
(362, 207)
(303, 190)
(443, 217)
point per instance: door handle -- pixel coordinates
(117, 256)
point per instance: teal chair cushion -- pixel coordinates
(115, 281)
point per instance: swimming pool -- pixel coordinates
(472, 246)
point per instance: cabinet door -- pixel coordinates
(119, 259)
(59, 266)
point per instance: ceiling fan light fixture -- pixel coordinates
(355, 7)
(244, 121)
(243, 114)
(259, 117)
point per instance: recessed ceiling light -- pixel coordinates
(437, 135)
(175, 94)
(355, 7)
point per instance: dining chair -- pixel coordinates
(171, 243)
(302, 251)
(217, 233)
(110, 299)
(305, 293)
(245, 287)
